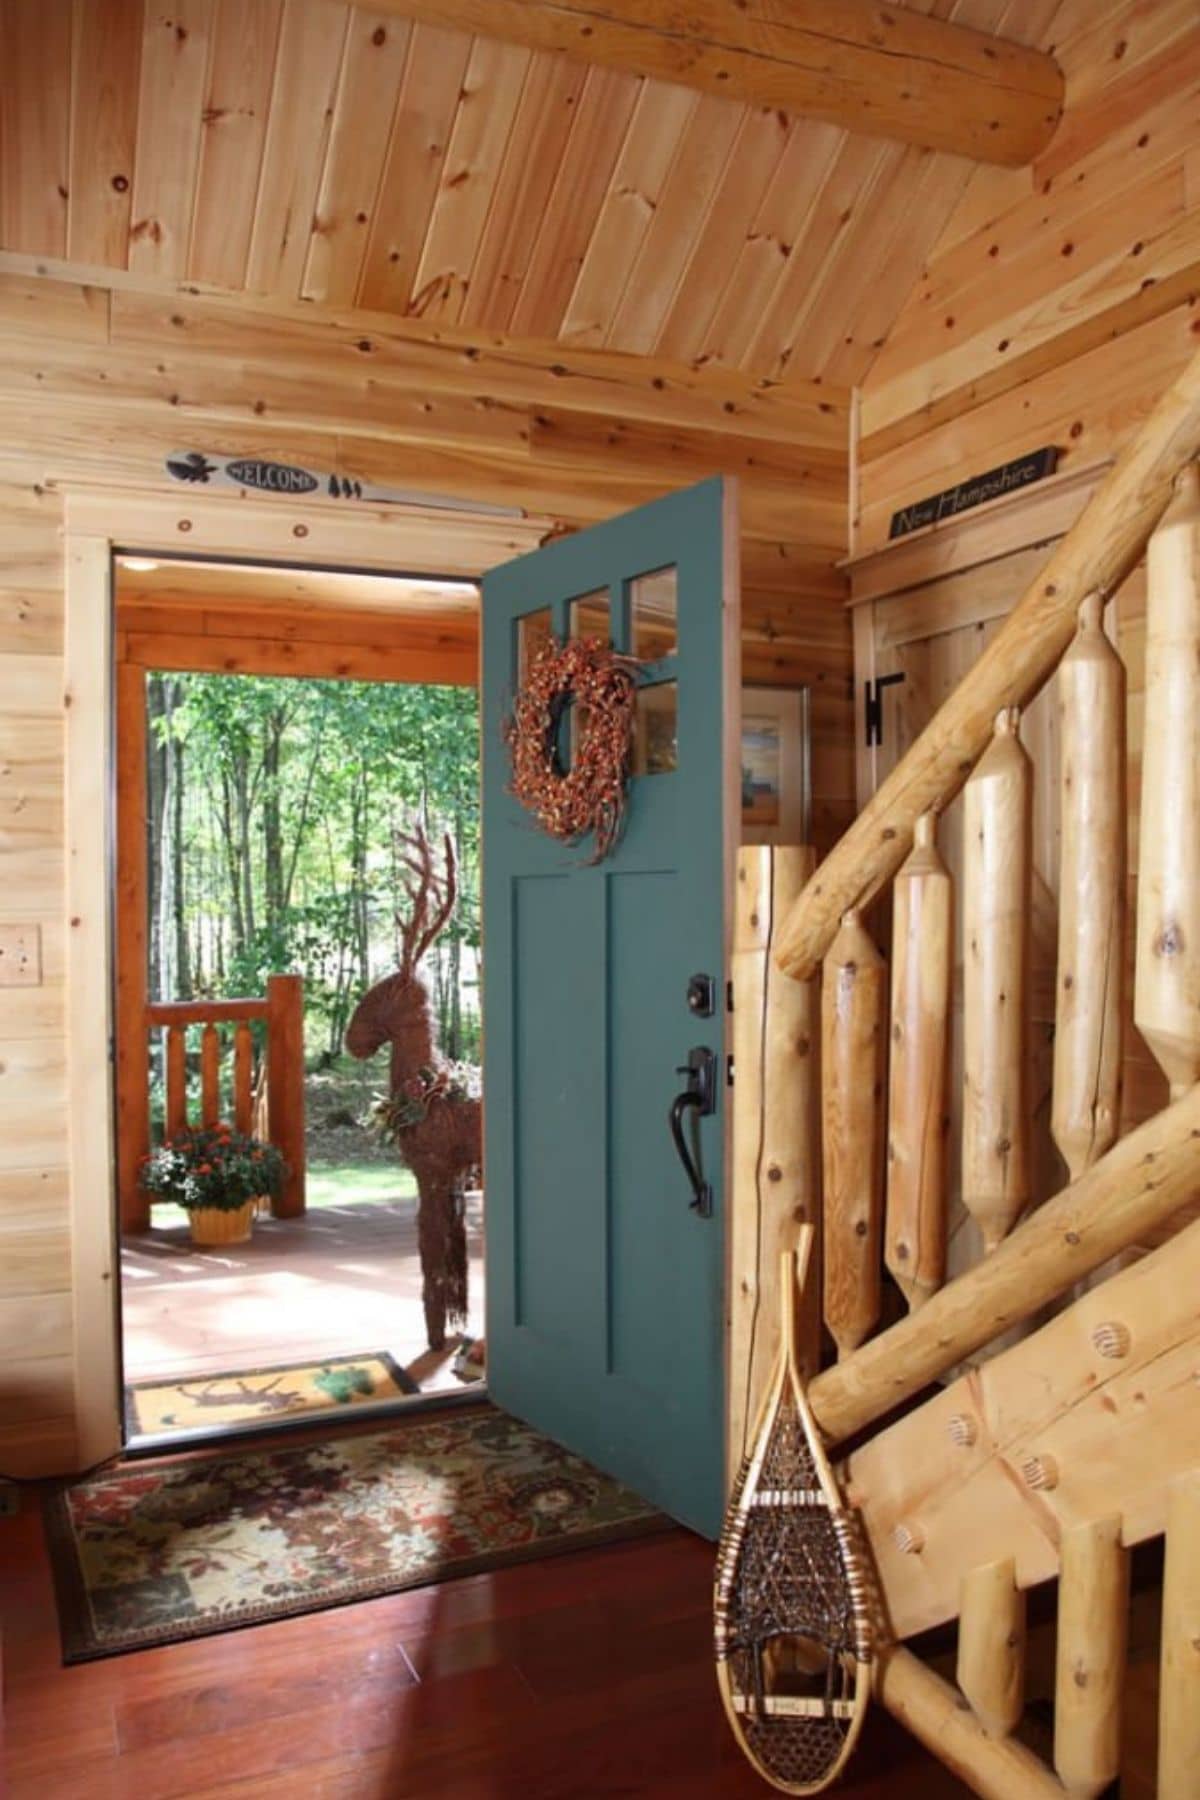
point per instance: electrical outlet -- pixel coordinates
(20, 955)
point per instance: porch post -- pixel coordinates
(285, 1086)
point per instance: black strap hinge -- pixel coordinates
(873, 695)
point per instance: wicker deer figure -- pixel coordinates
(437, 1127)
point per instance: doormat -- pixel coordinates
(279, 1391)
(153, 1553)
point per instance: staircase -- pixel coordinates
(1061, 1425)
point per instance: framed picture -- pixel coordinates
(775, 797)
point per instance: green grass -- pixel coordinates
(330, 1184)
(340, 1184)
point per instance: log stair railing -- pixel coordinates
(272, 1105)
(1039, 1507)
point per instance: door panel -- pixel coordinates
(605, 1288)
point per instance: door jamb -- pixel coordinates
(97, 521)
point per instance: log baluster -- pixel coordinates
(210, 1075)
(918, 1119)
(1093, 1623)
(176, 1100)
(1167, 980)
(1179, 1689)
(243, 1076)
(997, 858)
(991, 1646)
(1091, 919)
(853, 999)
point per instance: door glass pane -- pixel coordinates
(532, 631)
(591, 616)
(655, 612)
(655, 727)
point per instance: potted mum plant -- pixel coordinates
(218, 1176)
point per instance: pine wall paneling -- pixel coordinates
(1061, 299)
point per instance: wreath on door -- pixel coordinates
(593, 687)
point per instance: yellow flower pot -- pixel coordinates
(211, 1225)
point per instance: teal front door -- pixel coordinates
(605, 1284)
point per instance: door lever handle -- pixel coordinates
(700, 1098)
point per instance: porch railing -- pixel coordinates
(269, 1103)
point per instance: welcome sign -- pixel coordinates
(263, 476)
(975, 490)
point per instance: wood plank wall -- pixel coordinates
(36, 1386)
(1060, 299)
(100, 385)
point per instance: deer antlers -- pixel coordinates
(431, 895)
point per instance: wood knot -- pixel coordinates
(1169, 941)
(908, 1539)
(1040, 1473)
(963, 1430)
(1111, 1339)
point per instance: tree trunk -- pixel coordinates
(273, 881)
(183, 966)
(454, 1036)
(241, 777)
(156, 783)
(358, 859)
(232, 864)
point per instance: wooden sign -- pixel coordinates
(263, 476)
(1018, 473)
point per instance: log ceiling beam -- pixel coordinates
(870, 68)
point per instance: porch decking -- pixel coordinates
(340, 1280)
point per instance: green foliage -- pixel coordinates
(215, 1167)
(274, 807)
(394, 1114)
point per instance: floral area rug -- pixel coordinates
(151, 1553)
(279, 1392)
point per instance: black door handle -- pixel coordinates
(700, 1098)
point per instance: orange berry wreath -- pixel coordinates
(589, 796)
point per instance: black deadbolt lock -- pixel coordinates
(702, 996)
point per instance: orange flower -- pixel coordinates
(205, 1169)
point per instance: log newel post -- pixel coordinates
(285, 1086)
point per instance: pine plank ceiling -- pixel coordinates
(310, 150)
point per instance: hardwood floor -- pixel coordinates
(582, 1675)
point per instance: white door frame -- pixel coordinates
(97, 521)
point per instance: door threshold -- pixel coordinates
(168, 1443)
